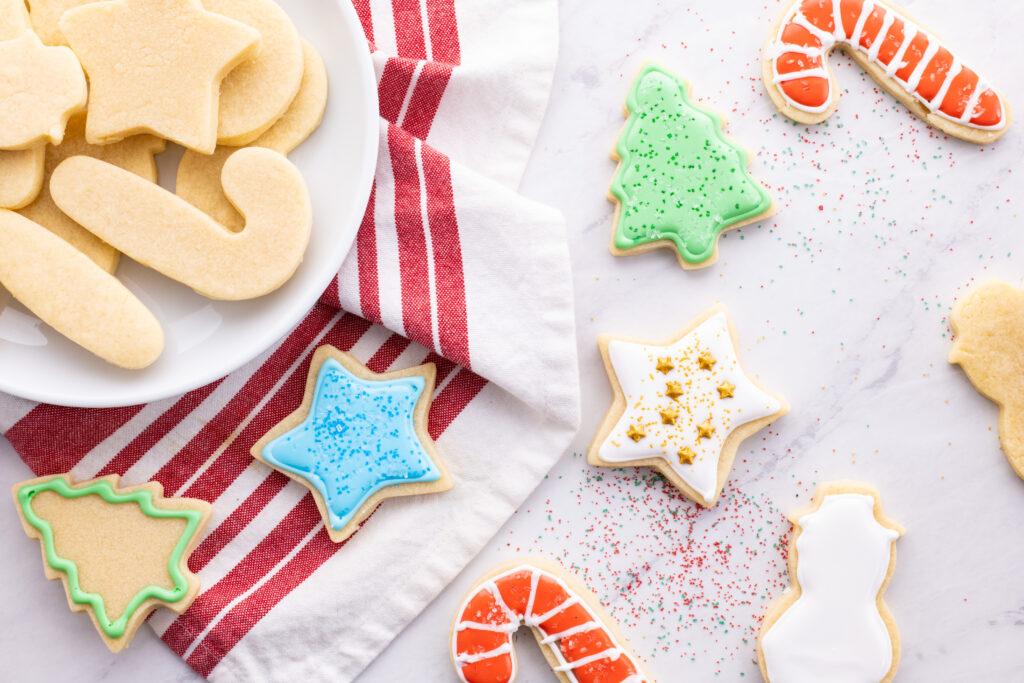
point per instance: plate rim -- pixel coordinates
(276, 329)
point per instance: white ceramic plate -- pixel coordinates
(208, 339)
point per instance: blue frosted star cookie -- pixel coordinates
(358, 437)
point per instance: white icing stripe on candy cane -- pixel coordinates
(510, 615)
(876, 44)
(540, 619)
(834, 631)
(808, 73)
(954, 70)
(897, 63)
(589, 626)
(497, 628)
(837, 20)
(973, 102)
(534, 580)
(827, 40)
(481, 656)
(929, 54)
(780, 49)
(866, 9)
(610, 653)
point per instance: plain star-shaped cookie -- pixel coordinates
(358, 438)
(682, 406)
(155, 66)
(40, 88)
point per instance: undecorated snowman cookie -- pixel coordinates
(40, 89)
(257, 92)
(989, 328)
(21, 171)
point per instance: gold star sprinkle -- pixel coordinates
(673, 390)
(636, 432)
(705, 430)
(705, 361)
(686, 455)
(725, 390)
(669, 415)
(665, 364)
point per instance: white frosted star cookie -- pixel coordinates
(681, 406)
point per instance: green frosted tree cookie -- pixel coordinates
(680, 181)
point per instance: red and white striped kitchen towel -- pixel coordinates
(450, 266)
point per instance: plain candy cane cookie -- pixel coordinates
(40, 88)
(74, 296)
(989, 328)
(897, 51)
(257, 92)
(21, 171)
(832, 624)
(166, 233)
(581, 643)
(358, 438)
(121, 552)
(155, 66)
(134, 154)
(198, 180)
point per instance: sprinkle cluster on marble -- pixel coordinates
(689, 573)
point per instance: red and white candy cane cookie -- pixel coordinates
(579, 640)
(902, 56)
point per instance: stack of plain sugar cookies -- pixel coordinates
(90, 92)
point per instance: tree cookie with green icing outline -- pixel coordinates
(121, 552)
(680, 181)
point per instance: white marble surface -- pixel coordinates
(841, 303)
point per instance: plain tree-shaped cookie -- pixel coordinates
(121, 552)
(989, 346)
(155, 66)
